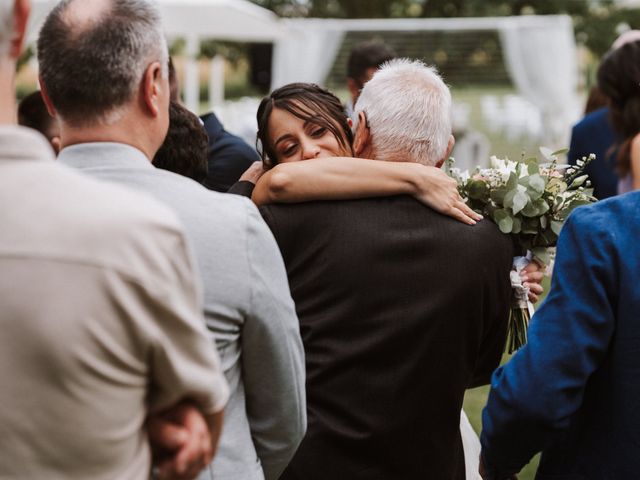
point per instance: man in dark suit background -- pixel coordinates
(401, 309)
(594, 134)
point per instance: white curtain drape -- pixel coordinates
(306, 52)
(540, 55)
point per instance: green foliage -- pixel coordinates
(427, 8)
(528, 200)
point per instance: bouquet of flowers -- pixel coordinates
(530, 201)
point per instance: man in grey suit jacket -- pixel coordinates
(112, 123)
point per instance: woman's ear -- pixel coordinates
(362, 136)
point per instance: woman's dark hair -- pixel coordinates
(619, 80)
(308, 102)
(185, 147)
(32, 113)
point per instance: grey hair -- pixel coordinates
(408, 109)
(6, 25)
(93, 66)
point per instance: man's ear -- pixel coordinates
(152, 88)
(362, 135)
(452, 142)
(21, 11)
(47, 101)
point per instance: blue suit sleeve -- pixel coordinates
(535, 394)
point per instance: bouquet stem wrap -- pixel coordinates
(521, 308)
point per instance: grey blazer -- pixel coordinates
(247, 306)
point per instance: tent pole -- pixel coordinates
(192, 80)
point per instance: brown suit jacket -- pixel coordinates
(401, 309)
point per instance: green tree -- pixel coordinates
(428, 8)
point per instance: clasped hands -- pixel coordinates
(181, 442)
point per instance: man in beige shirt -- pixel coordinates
(100, 316)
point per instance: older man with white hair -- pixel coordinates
(401, 308)
(100, 317)
(104, 74)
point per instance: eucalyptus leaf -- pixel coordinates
(498, 195)
(579, 181)
(542, 207)
(508, 198)
(556, 226)
(530, 210)
(506, 225)
(520, 200)
(562, 151)
(530, 226)
(537, 183)
(543, 222)
(532, 166)
(517, 225)
(547, 153)
(501, 214)
(542, 255)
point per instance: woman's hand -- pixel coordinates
(532, 276)
(440, 192)
(253, 173)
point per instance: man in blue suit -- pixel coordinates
(594, 134)
(573, 392)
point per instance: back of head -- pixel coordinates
(6, 25)
(619, 80)
(185, 147)
(408, 109)
(366, 56)
(93, 53)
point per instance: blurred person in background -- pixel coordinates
(184, 150)
(619, 78)
(364, 60)
(595, 133)
(228, 155)
(32, 113)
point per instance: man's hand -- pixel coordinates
(483, 473)
(532, 276)
(180, 441)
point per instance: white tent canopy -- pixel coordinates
(194, 20)
(539, 51)
(234, 20)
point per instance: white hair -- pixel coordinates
(408, 110)
(6, 25)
